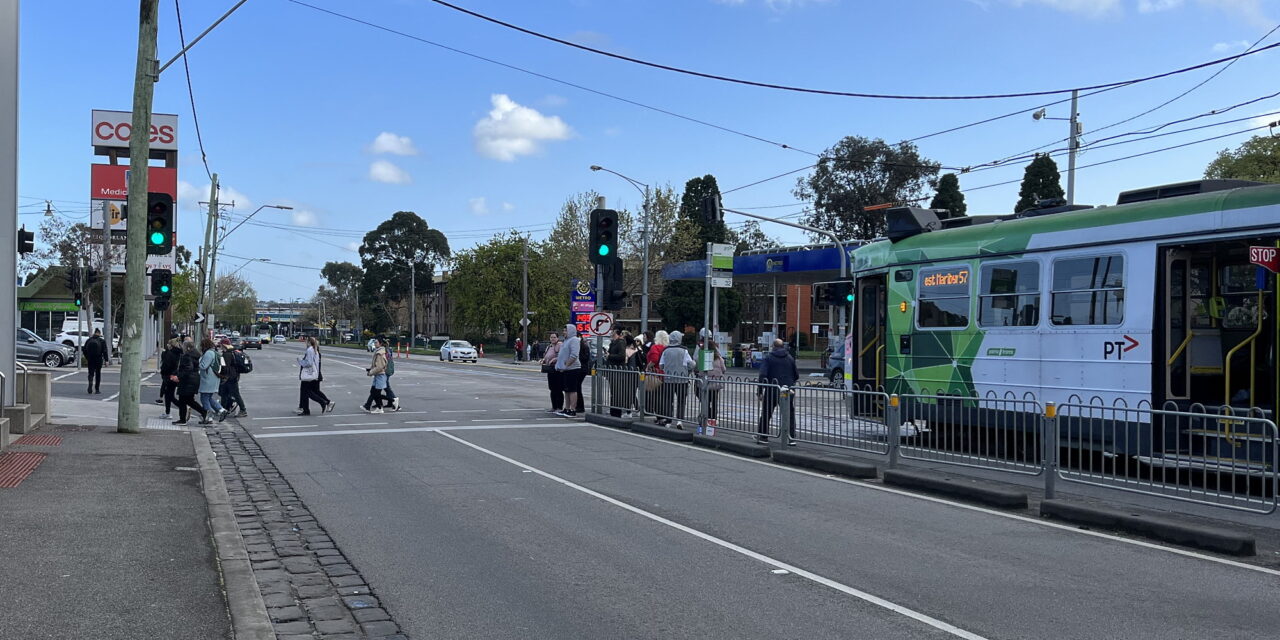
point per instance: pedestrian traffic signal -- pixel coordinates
(159, 224)
(614, 297)
(79, 299)
(26, 241)
(161, 304)
(711, 210)
(839, 293)
(603, 241)
(161, 282)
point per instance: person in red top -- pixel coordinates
(655, 351)
(653, 397)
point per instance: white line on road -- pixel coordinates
(959, 505)
(497, 420)
(295, 426)
(111, 397)
(465, 411)
(361, 432)
(66, 375)
(776, 564)
(427, 421)
(357, 424)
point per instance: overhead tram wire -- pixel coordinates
(830, 92)
(566, 83)
(273, 262)
(204, 158)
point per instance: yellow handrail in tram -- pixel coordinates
(1173, 358)
(879, 352)
(1252, 357)
(868, 347)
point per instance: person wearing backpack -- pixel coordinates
(393, 401)
(186, 379)
(234, 363)
(210, 378)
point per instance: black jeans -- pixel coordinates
(713, 403)
(769, 400)
(230, 392)
(95, 375)
(310, 390)
(557, 390)
(167, 390)
(375, 398)
(188, 400)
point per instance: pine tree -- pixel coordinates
(681, 304)
(1040, 181)
(949, 196)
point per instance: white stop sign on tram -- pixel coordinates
(601, 323)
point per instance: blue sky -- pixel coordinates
(349, 124)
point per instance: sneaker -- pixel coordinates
(204, 422)
(678, 425)
(165, 415)
(376, 410)
(222, 415)
(395, 403)
(554, 410)
(329, 407)
(180, 423)
(368, 409)
(159, 400)
(300, 412)
(562, 413)
(242, 414)
(570, 414)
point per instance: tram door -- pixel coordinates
(870, 343)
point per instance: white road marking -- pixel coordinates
(357, 424)
(519, 409)
(111, 397)
(427, 421)
(361, 432)
(959, 505)
(497, 420)
(776, 564)
(466, 411)
(295, 426)
(66, 375)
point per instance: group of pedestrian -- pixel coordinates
(566, 364)
(212, 371)
(380, 391)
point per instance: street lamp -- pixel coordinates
(1073, 143)
(644, 234)
(246, 218)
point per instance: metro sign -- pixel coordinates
(114, 128)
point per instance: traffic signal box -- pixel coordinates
(839, 293)
(603, 237)
(614, 297)
(159, 224)
(161, 282)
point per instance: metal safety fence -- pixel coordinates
(850, 419)
(616, 391)
(1003, 434)
(1216, 458)
(745, 405)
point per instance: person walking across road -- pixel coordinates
(234, 363)
(378, 370)
(311, 373)
(393, 401)
(778, 368)
(553, 376)
(187, 380)
(95, 352)
(168, 374)
(676, 365)
(569, 366)
(519, 349)
(210, 378)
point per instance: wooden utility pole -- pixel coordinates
(136, 247)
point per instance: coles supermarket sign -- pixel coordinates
(114, 128)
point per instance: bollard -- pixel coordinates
(1049, 434)
(893, 420)
(784, 408)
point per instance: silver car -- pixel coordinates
(31, 347)
(455, 350)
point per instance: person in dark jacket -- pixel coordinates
(188, 380)
(778, 368)
(168, 369)
(229, 388)
(95, 351)
(616, 361)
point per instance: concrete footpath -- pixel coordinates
(106, 535)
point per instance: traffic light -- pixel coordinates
(603, 240)
(90, 277)
(711, 211)
(839, 293)
(161, 282)
(159, 224)
(72, 278)
(79, 299)
(26, 241)
(161, 304)
(613, 297)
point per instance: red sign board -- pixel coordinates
(1266, 257)
(583, 322)
(111, 181)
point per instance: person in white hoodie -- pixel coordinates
(677, 365)
(570, 367)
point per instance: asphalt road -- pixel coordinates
(474, 514)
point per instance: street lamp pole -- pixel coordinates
(644, 234)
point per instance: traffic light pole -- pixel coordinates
(80, 316)
(8, 186)
(107, 332)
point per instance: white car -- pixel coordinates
(371, 345)
(278, 340)
(455, 350)
(75, 338)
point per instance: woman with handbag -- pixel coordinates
(653, 399)
(553, 377)
(714, 379)
(633, 361)
(311, 374)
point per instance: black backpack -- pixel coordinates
(584, 354)
(242, 362)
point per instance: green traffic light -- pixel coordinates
(604, 249)
(157, 237)
(849, 298)
(164, 288)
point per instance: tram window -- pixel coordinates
(1088, 291)
(944, 298)
(1010, 295)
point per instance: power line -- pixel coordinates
(204, 158)
(273, 263)
(566, 83)
(847, 94)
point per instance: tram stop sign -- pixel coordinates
(1266, 257)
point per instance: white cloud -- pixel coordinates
(388, 142)
(353, 246)
(1248, 10)
(507, 206)
(303, 218)
(190, 196)
(512, 130)
(1156, 6)
(1225, 47)
(478, 206)
(1265, 121)
(1092, 8)
(552, 100)
(384, 171)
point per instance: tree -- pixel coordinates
(682, 302)
(949, 196)
(857, 173)
(1040, 181)
(1257, 159)
(486, 286)
(386, 255)
(344, 281)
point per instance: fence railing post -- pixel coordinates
(596, 386)
(784, 408)
(641, 393)
(893, 419)
(1049, 438)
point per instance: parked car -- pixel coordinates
(237, 342)
(278, 340)
(250, 342)
(75, 339)
(455, 350)
(52, 354)
(835, 362)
